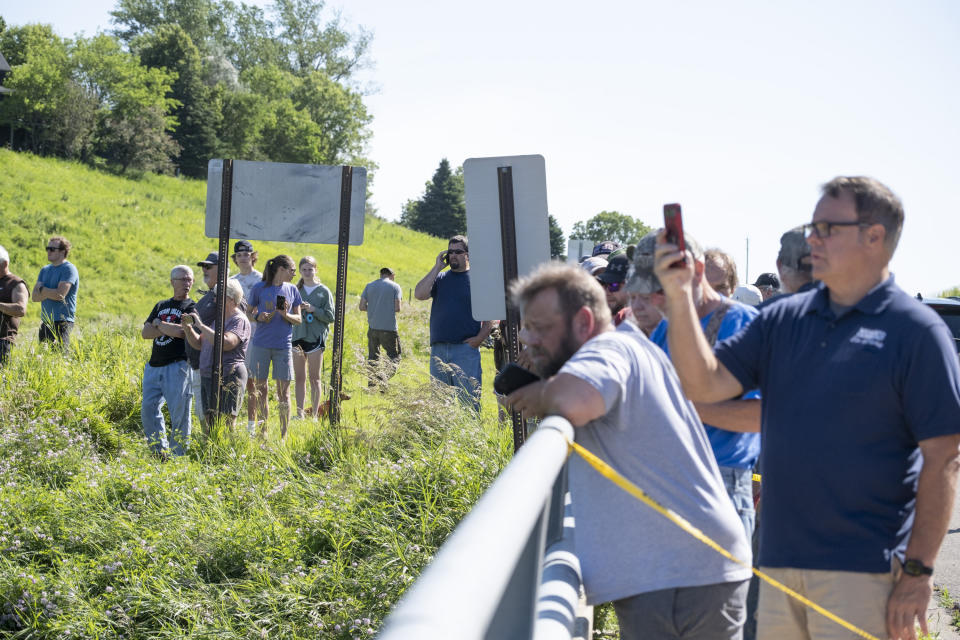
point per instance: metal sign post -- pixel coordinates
(343, 244)
(226, 201)
(511, 330)
(288, 202)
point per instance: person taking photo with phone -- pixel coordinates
(233, 370)
(275, 306)
(168, 376)
(310, 336)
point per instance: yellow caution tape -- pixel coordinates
(611, 474)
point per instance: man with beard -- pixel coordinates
(613, 281)
(455, 337)
(621, 393)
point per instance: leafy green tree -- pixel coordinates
(39, 77)
(441, 210)
(133, 119)
(611, 225)
(340, 114)
(309, 46)
(952, 292)
(249, 40)
(241, 128)
(558, 247)
(169, 47)
(198, 18)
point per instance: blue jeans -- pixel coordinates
(739, 485)
(458, 364)
(172, 384)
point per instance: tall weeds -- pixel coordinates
(314, 537)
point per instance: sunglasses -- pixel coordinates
(612, 287)
(456, 252)
(824, 229)
(54, 248)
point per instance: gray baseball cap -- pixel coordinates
(793, 249)
(641, 278)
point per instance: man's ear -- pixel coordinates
(699, 266)
(583, 324)
(875, 234)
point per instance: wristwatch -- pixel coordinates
(913, 567)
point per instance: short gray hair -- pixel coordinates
(180, 270)
(4, 256)
(234, 291)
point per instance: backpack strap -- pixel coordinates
(713, 327)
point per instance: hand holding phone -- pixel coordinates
(673, 224)
(281, 303)
(512, 378)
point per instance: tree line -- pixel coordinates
(178, 82)
(441, 211)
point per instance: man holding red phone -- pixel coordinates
(861, 393)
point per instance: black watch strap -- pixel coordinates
(913, 567)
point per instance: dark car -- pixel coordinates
(949, 310)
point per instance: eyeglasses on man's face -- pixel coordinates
(824, 228)
(54, 248)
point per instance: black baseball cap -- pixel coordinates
(242, 245)
(768, 280)
(213, 258)
(617, 268)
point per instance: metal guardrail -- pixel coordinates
(491, 578)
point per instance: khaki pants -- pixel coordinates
(858, 598)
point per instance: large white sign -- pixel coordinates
(285, 202)
(481, 187)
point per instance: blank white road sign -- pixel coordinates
(483, 227)
(577, 248)
(285, 202)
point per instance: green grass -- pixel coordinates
(317, 536)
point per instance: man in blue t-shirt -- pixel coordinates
(861, 437)
(455, 337)
(720, 318)
(56, 291)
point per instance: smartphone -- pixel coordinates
(281, 303)
(446, 258)
(673, 223)
(512, 378)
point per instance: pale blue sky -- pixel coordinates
(737, 110)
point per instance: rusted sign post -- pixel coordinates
(287, 203)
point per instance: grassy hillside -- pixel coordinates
(313, 537)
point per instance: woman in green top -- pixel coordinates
(310, 336)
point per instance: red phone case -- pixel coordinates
(673, 223)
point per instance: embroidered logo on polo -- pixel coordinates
(869, 337)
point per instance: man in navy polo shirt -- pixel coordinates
(455, 337)
(860, 422)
